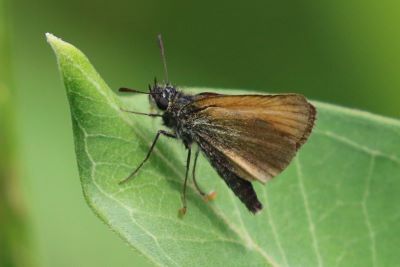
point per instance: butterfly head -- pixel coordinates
(162, 95)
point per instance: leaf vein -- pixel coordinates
(273, 228)
(366, 213)
(311, 227)
(365, 149)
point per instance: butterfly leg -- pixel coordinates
(172, 135)
(206, 197)
(182, 210)
(194, 174)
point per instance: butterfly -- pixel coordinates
(246, 138)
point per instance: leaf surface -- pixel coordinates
(336, 205)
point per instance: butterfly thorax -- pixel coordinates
(170, 100)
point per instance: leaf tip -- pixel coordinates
(52, 39)
(49, 36)
(56, 43)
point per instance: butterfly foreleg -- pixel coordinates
(160, 132)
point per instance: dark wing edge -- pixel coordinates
(310, 125)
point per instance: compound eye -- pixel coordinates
(162, 103)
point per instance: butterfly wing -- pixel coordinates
(257, 135)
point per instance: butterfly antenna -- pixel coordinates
(161, 44)
(130, 90)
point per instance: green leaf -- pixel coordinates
(336, 205)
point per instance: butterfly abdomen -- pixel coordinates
(243, 189)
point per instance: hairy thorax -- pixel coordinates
(177, 118)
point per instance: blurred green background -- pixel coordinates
(341, 52)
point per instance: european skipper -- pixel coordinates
(246, 138)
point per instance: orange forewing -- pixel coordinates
(258, 134)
